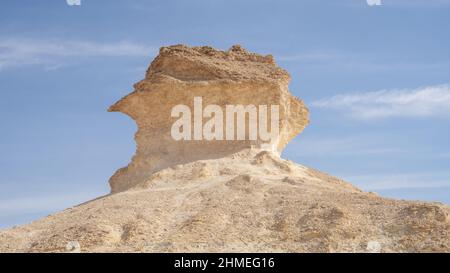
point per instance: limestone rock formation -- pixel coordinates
(227, 196)
(178, 75)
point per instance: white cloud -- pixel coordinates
(54, 53)
(399, 181)
(444, 155)
(417, 3)
(351, 62)
(37, 204)
(431, 101)
(311, 57)
(368, 145)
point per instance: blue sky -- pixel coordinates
(376, 80)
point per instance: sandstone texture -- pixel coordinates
(227, 196)
(180, 73)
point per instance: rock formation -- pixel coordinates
(227, 195)
(177, 76)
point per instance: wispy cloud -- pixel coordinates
(351, 62)
(431, 101)
(342, 146)
(444, 155)
(416, 3)
(53, 53)
(400, 181)
(49, 203)
(310, 57)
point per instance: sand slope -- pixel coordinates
(249, 201)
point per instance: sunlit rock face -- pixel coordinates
(178, 76)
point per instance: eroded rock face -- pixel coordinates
(178, 75)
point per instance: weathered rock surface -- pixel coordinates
(220, 196)
(180, 73)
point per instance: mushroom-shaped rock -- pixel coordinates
(207, 81)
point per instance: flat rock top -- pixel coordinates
(206, 63)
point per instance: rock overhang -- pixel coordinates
(177, 76)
